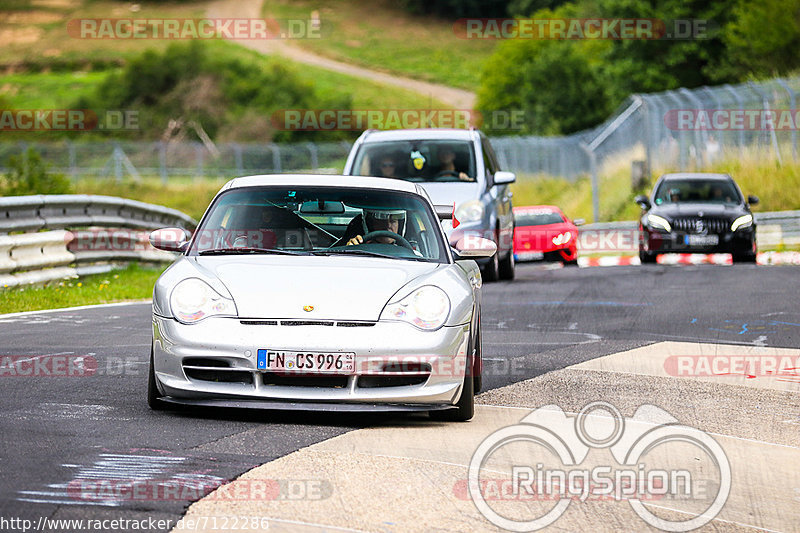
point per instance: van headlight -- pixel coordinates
(192, 300)
(471, 211)
(426, 308)
(742, 222)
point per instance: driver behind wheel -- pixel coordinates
(381, 220)
(447, 162)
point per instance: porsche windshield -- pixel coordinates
(320, 221)
(422, 160)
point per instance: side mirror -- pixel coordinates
(503, 178)
(643, 201)
(444, 212)
(169, 239)
(579, 222)
(471, 247)
(752, 200)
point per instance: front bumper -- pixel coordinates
(657, 242)
(395, 363)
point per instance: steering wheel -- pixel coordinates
(443, 173)
(399, 239)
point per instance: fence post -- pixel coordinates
(237, 158)
(73, 169)
(681, 143)
(162, 161)
(595, 186)
(312, 149)
(700, 136)
(198, 154)
(740, 105)
(276, 158)
(792, 106)
(765, 105)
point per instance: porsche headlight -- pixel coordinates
(562, 238)
(192, 300)
(658, 222)
(471, 211)
(742, 222)
(426, 308)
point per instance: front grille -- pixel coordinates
(215, 370)
(375, 382)
(404, 375)
(318, 380)
(341, 324)
(711, 225)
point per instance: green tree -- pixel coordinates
(28, 174)
(558, 85)
(763, 38)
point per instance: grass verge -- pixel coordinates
(133, 283)
(380, 35)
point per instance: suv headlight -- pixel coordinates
(192, 300)
(744, 221)
(426, 308)
(658, 222)
(471, 211)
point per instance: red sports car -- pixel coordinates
(544, 232)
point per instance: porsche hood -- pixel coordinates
(334, 288)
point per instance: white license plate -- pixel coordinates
(530, 256)
(302, 362)
(702, 240)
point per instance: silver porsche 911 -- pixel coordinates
(319, 292)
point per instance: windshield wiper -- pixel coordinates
(249, 250)
(355, 251)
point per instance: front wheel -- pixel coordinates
(153, 394)
(491, 272)
(646, 257)
(465, 408)
(507, 266)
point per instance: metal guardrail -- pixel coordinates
(38, 256)
(64, 211)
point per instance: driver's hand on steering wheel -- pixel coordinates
(358, 239)
(463, 176)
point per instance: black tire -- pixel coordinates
(507, 266)
(744, 258)
(465, 408)
(477, 380)
(153, 395)
(570, 263)
(647, 257)
(491, 272)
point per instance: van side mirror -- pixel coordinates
(643, 201)
(752, 200)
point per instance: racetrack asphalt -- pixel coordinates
(59, 429)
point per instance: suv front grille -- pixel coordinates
(711, 225)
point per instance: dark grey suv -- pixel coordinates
(454, 166)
